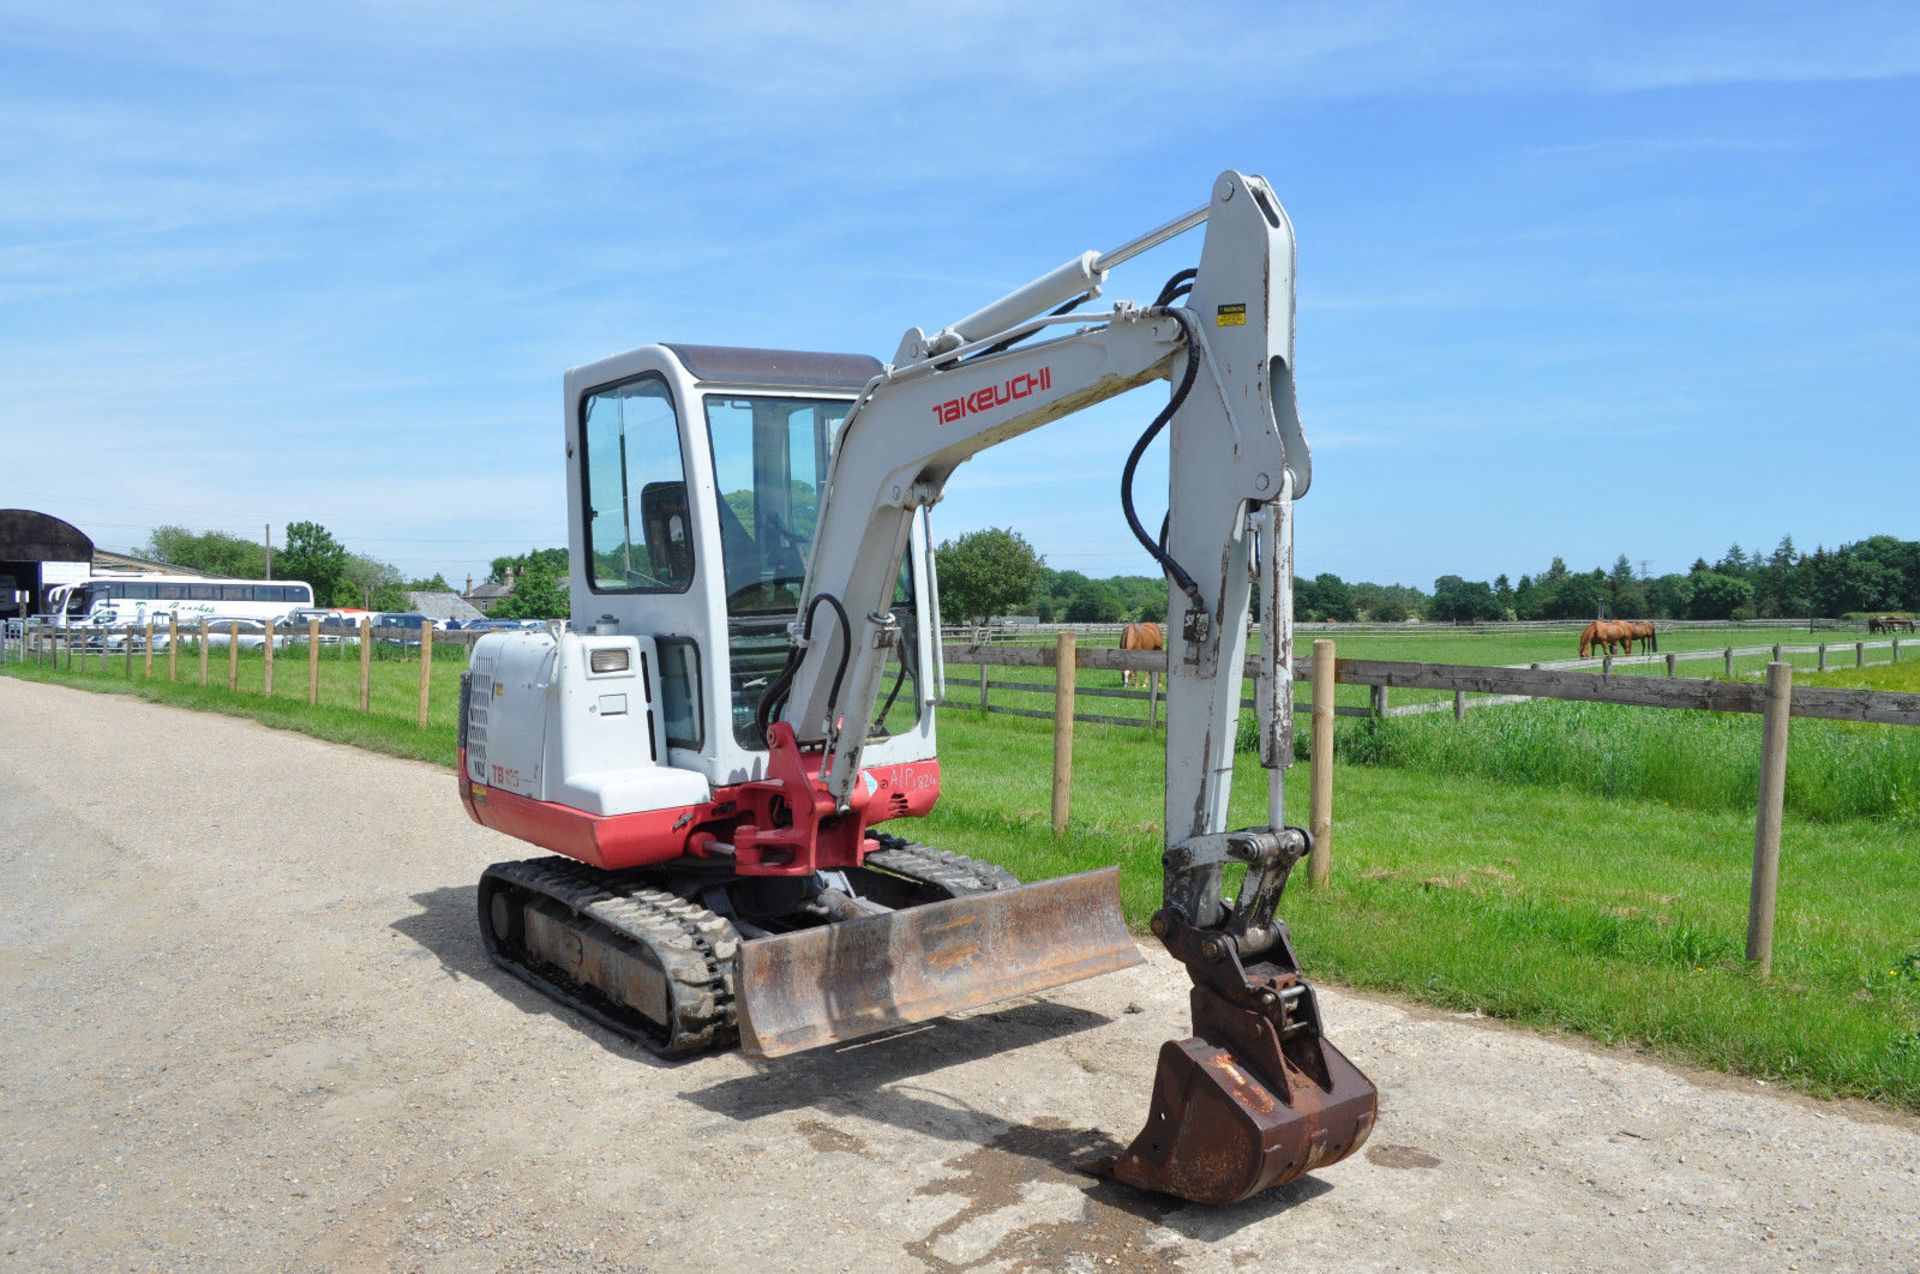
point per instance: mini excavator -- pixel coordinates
(715, 751)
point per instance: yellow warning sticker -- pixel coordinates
(479, 792)
(1230, 316)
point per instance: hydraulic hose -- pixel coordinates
(1157, 549)
(775, 694)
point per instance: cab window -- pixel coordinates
(639, 537)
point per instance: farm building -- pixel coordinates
(486, 595)
(442, 606)
(38, 551)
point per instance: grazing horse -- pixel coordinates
(1606, 633)
(1887, 623)
(1141, 636)
(1646, 633)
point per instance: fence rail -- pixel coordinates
(1002, 633)
(1495, 686)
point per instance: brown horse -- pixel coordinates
(1141, 636)
(1645, 632)
(1606, 633)
(1887, 623)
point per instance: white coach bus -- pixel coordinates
(139, 599)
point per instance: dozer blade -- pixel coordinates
(873, 973)
(1237, 1110)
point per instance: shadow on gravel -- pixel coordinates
(447, 925)
(851, 1078)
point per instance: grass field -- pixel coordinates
(1570, 900)
(1620, 918)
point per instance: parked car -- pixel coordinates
(250, 634)
(400, 628)
(328, 616)
(118, 639)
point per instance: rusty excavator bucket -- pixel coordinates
(1256, 1097)
(875, 972)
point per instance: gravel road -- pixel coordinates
(245, 1021)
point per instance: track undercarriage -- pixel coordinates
(683, 962)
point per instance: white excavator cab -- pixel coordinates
(694, 485)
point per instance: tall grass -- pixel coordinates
(1836, 770)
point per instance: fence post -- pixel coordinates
(1606, 664)
(1766, 837)
(426, 667)
(148, 669)
(1153, 700)
(1729, 663)
(1379, 701)
(366, 664)
(1896, 650)
(173, 646)
(1670, 659)
(233, 656)
(1859, 654)
(1823, 657)
(1776, 652)
(1320, 807)
(128, 673)
(266, 671)
(1459, 705)
(983, 682)
(203, 650)
(1063, 686)
(313, 660)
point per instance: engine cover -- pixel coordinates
(570, 719)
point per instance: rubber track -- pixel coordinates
(955, 873)
(695, 948)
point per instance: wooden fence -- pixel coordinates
(1043, 633)
(1497, 692)
(1776, 700)
(122, 644)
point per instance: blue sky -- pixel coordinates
(1574, 279)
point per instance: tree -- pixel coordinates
(374, 584)
(1626, 595)
(1579, 596)
(986, 573)
(1717, 596)
(1460, 601)
(1095, 601)
(313, 555)
(553, 559)
(1325, 597)
(1671, 596)
(215, 552)
(539, 593)
(435, 583)
(1503, 593)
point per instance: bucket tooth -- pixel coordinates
(870, 974)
